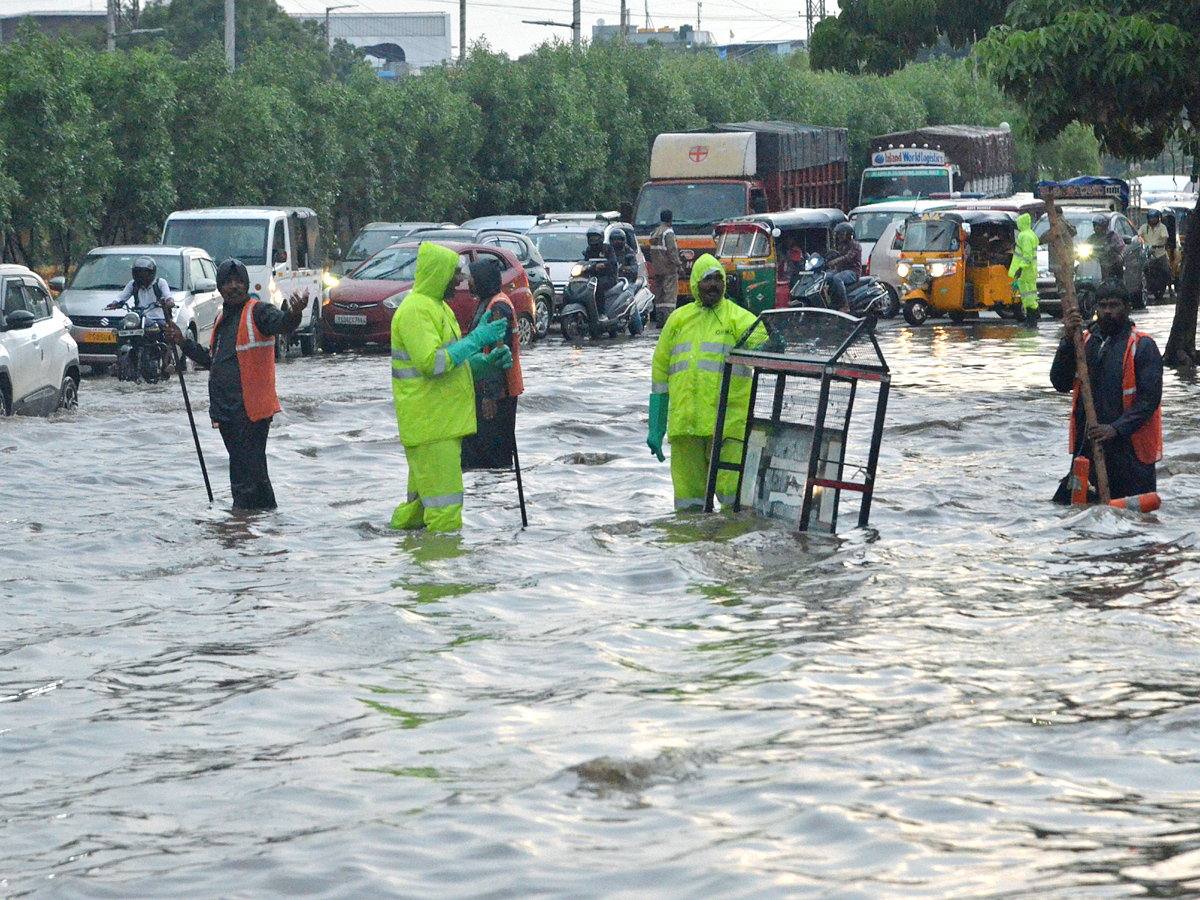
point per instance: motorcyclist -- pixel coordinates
(627, 265)
(846, 267)
(606, 273)
(1109, 248)
(146, 290)
(1155, 235)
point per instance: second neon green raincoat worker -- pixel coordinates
(1024, 261)
(686, 387)
(433, 370)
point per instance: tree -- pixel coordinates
(1123, 67)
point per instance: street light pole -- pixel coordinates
(462, 30)
(230, 35)
(111, 27)
(575, 24)
(328, 9)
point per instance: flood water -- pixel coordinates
(982, 695)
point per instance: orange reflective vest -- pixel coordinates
(256, 363)
(1147, 441)
(515, 383)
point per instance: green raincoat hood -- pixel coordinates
(436, 266)
(702, 265)
(1024, 222)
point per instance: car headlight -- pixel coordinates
(903, 269)
(576, 270)
(1084, 251)
(393, 302)
(329, 279)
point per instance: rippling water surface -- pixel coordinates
(983, 695)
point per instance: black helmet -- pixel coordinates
(617, 237)
(144, 271)
(231, 269)
(1153, 214)
(1100, 221)
(844, 229)
(595, 235)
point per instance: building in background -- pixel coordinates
(395, 43)
(756, 48)
(685, 37)
(53, 24)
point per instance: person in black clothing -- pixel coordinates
(1118, 425)
(244, 433)
(606, 274)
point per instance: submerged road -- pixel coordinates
(982, 695)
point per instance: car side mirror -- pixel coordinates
(205, 285)
(18, 320)
(57, 284)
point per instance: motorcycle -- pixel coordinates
(628, 305)
(867, 297)
(1158, 276)
(143, 353)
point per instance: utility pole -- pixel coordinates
(624, 13)
(816, 12)
(462, 30)
(647, 15)
(328, 9)
(575, 24)
(698, 5)
(111, 27)
(230, 35)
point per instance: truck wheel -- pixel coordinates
(916, 312)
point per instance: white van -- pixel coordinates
(279, 245)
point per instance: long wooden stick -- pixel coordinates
(1062, 250)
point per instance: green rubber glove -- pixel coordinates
(1016, 286)
(658, 424)
(490, 364)
(500, 357)
(485, 333)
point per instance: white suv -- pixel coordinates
(39, 361)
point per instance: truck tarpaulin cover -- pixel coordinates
(976, 150)
(787, 146)
(1085, 187)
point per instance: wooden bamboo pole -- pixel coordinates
(1062, 249)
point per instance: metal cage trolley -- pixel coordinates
(818, 399)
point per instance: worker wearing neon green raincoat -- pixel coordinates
(1024, 262)
(433, 372)
(686, 387)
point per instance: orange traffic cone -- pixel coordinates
(1140, 502)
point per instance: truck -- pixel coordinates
(940, 161)
(737, 169)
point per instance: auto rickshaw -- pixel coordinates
(955, 263)
(762, 253)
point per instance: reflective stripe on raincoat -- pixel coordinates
(1024, 261)
(689, 358)
(435, 399)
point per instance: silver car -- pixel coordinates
(106, 271)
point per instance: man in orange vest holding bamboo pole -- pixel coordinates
(1127, 376)
(241, 388)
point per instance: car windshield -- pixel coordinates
(869, 226)
(931, 235)
(743, 243)
(244, 239)
(560, 246)
(112, 271)
(692, 204)
(1081, 222)
(884, 184)
(368, 243)
(399, 264)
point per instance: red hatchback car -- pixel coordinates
(358, 312)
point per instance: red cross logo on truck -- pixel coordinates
(698, 154)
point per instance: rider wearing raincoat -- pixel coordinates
(433, 372)
(1023, 268)
(686, 387)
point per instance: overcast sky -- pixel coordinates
(499, 21)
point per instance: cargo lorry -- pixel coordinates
(738, 169)
(939, 162)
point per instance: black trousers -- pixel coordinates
(246, 442)
(491, 446)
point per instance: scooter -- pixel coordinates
(867, 297)
(628, 305)
(142, 350)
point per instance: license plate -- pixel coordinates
(133, 332)
(99, 337)
(342, 319)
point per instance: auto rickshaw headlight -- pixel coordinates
(903, 269)
(937, 269)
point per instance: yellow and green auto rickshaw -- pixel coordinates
(955, 263)
(761, 253)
